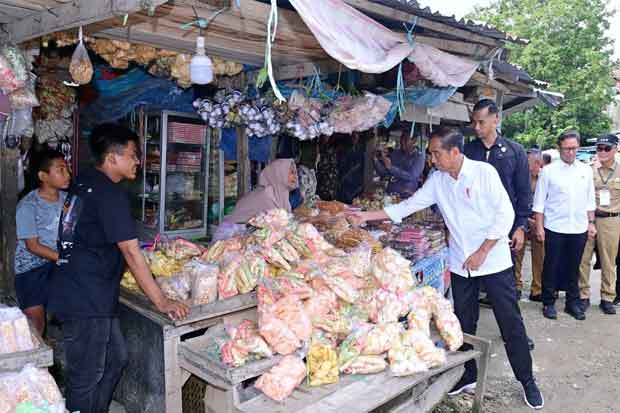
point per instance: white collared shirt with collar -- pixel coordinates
(475, 207)
(565, 194)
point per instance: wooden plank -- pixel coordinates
(394, 14)
(172, 376)
(433, 394)
(482, 346)
(475, 50)
(243, 163)
(369, 164)
(8, 205)
(483, 80)
(218, 308)
(353, 393)
(70, 15)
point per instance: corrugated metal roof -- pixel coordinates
(413, 7)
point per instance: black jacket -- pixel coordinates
(510, 160)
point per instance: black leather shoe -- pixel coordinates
(617, 301)
(575, 311)
(536, 298)
(549, 312)
(584, 303)
(530, 344)
(607, 307)
(464, 385)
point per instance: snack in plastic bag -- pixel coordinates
(290, 310)
(233, 355)
(424, 347)
(274, 218)
(13, 69)
(274, 257)
(381, 338)
(360, 260)
(31, 389)
(277, 333)
(244, 342)
(313, 239)
(283, 378)
(284, 285)
(342, 288)
(182, 249)
(352, 346)
(176, 287)
(298, 243)
(227, 279)
(334, 324)
(392, 271)
(321, 303)
(161, 265)
(287, 251)
(14, 331)
(81, 68)
(366, 365)
(354, 312)
(204, 281)
(404, 360)
(419, 317)
(448, 324)
(24, 97)
(322, 365)
(384, 306)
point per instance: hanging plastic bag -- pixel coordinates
(13, 69)
(21, 123)
(81, 68)
(25, 97)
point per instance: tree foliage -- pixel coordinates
(567, 48)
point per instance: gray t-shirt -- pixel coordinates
(36, 218)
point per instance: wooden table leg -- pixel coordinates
(173, 376)
(484, 346)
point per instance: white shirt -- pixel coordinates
(475, 207)
(565, 194)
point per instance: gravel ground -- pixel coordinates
(575, 362)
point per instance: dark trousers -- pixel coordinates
(502, 293)
(561, 267)
(96, 355)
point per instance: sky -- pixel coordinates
(461, 7)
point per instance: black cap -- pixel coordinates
(609, 140)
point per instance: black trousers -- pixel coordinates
(96, 355)
(561, 267)
(502, 293)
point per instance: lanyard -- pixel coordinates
(608, 176)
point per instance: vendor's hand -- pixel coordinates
(540, 234)
(173, 309)
(591, 231)
(387, 161)
(531, 223)
(475, 261)
(518, 239)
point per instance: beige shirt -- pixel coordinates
(601, 175)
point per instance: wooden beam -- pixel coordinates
(70, 15)
(480, 79)
(243, 163)
(390, 13)
(475, 50)
(8, 205)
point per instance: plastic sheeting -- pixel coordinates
(427, 97)
(361, 43)
(115, 103)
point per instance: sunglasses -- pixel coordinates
(604, 148)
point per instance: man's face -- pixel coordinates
(126, 161)
(568, 150)
(443, 159)
(534, 163)
(605, 153)
(484, 123)
(58, 175)
(407, 144)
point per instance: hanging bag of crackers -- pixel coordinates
(81, 68)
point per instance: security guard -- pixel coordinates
(606, 172)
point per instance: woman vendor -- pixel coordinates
(275, 183)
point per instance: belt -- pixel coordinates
(602, 214)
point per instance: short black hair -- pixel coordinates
(450, 138)
(110, 137)
(569, 134)
(486, 103)
(42, 162)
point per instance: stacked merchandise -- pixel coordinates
(186, 133)
(417, 242)
(185, 161)
(31, 388)
(338, 310)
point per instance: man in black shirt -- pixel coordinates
(510, 160)
(85, 285)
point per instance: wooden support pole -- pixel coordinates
(369, 165)
(8, 204)
(243, 163)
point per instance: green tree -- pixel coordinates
(569, 49)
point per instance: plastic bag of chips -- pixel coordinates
(277, 333)
(177, 287)
(313, 239)
(424, 347)
(287, 251)
(366, 365)
(419, 317)
(273, 218)
(448, 324)
(392, 271)
(204, 281)
(360, 260)
(381, 338)
(227, 278)
(352, 346)
(334, 324)
(321, 303)
(404, 360)
(291, 310)
(274, 257)
(283, 378)
(322, 364)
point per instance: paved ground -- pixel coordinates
(576, 362)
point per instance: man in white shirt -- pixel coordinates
(564, 205)
(479, 215)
